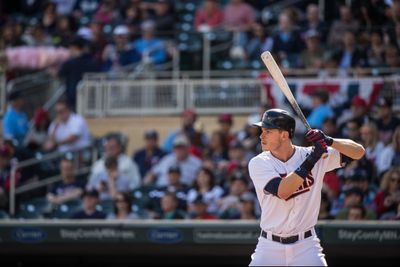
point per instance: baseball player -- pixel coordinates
(288, 181)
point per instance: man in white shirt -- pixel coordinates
(126, 167)
(68, 131)
(180, 156)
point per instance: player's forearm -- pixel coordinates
(348, 148)
(289, 185)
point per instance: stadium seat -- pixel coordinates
(106, 206)
(4, 215)
(33, 209)
(65, 211)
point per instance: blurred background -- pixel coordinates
(126, 126)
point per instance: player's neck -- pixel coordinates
(284, 152)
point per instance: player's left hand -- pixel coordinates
(315, 135)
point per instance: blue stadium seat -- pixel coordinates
(66, 210)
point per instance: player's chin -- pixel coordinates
(264, 147)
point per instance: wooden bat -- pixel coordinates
(280, 80)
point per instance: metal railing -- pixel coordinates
(100, 96)
(77, 156)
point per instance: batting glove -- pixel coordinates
(315, 135)
(320, 147)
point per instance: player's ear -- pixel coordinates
(285, 135)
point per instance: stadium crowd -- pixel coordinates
(194, 174)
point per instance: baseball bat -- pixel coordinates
(280, 80)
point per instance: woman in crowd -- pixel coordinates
(385, 200)
(122, 208)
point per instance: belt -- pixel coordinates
(286, 240)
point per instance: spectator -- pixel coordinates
(49, 18)
(64, 31)
(64, 7)
(312, 56)
(68, 131)
(217, 149)
(109, 182)
(376, 50)
(390, 156)
(229, 206)
(238, 18)
(174, 186)
(107, 12)
(225, 122)
(314, 23)
(73, 69)
(358, 111)
(350, 56)
(209, 17)
(188, 164)
(164, 18)
(353, 196)
(150, 155)
(341, 26)
(386, 121)
(35, 35)
(151, 49)
(113, 147)
(356, 213)
(205, 187)
(370, 140)
(330, 127)
(388, 197)
(392, 58)
(259, 42)
(353, 130)
(120, 54)
(188, 120)
(321, 109)
(85, 8)
(122, 208)
(169, 206)
(9, 37)
(237, 159)
(324, 208)
(250, 138)
(247, 206)
(90, 201)
(199, 210)
(5, 175)
(69, 189)
(287, 43)
(132, 16)
(37, 134)
(15, 121)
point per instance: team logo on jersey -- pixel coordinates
(305, 187)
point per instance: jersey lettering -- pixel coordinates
(305, 187)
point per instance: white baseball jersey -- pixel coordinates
(299, 212)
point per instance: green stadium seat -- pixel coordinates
(33, 209)
(66, 210)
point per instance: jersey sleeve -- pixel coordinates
(261, 172)
(334, 159)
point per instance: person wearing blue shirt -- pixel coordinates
(321, 109)
(15, 122)
(151, 48)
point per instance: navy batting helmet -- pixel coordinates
(278, 119)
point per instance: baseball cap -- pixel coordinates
(358, 175)
(121, 30)
(189, 112)
(151, 134)
(13, 95)
(384, 102)
(174, 168)
(236, 145)
(40, 115)
(354, 191)
(358, 101)
(239, 176)
(91, 193)
(225, 118)
(181, 140)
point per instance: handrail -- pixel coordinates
(47, 181)
(17, 165)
